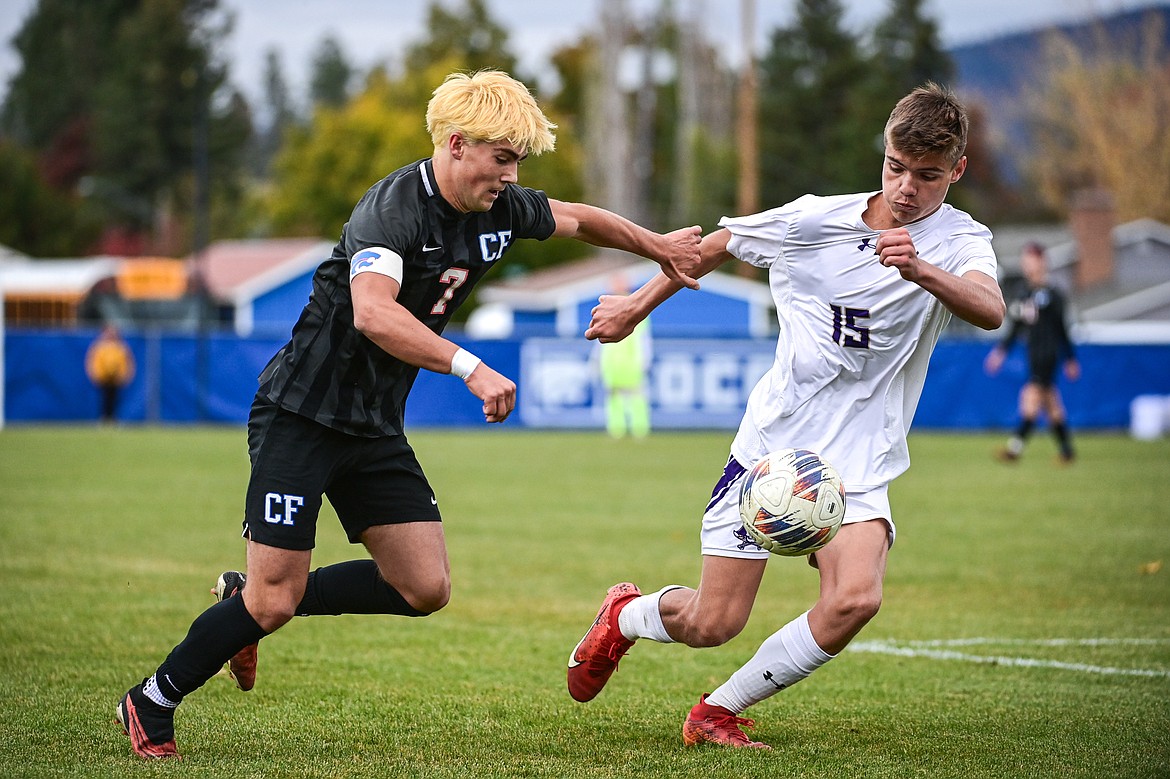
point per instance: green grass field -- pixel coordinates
(1025, 632)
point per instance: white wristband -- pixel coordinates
(463, 363)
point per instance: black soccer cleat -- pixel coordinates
(151, 727)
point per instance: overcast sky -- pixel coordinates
(373, 31)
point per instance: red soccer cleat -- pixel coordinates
(596, 656)
(717, 725)
(242, 666)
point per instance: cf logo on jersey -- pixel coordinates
(492, 245)
(280, 509)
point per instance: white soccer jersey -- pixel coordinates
(855, 337)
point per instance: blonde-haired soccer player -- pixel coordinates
(327, 420)
(863, 285)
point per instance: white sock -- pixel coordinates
(787, 656)
(151, 691)
(641, 617)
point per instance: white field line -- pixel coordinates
(930, 650)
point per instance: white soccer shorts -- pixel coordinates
(723, 534)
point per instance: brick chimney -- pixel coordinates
(1091, 222)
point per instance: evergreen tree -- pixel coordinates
(810, 140)
(466, 34)
(331, 75)
(65, 50)
(121, 94)
(826, 94)
(278, 101)
(279, 115)
(34, 218)
(906, 51)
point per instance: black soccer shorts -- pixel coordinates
(1042, 369)
(296, 462)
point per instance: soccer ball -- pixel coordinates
(792, 502)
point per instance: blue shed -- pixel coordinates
(262, 283)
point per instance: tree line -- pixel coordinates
(123, 133)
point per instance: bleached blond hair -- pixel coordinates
(489, 105)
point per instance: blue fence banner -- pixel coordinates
(693, 383)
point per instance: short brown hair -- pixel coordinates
(929, 120)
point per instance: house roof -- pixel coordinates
(1135, 305)
(7, 253)
(1109, 301)
(238, 271)
(233, 272)
(1141, 230)
(72, 277)
(1119, 302)
(1009, 242)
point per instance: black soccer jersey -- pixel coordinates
(330, 372)
(1040, 317)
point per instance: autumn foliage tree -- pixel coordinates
(1102, 120)
(324, 168)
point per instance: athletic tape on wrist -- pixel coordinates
(463, 363)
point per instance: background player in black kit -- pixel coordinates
(328, 417)
(1040, 314)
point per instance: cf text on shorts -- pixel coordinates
(296, 462)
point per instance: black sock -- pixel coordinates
(1060, 430)
(354, 587)
(214, 638)
(1025, 429)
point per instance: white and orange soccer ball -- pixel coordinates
(792, 502)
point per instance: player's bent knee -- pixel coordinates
(272, 615)
(428, 597)
(858, 609)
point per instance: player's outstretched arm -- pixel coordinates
(378, 316)
(974, 297)
(615, 316)
(676, 252)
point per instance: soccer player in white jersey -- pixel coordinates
(863, 286)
